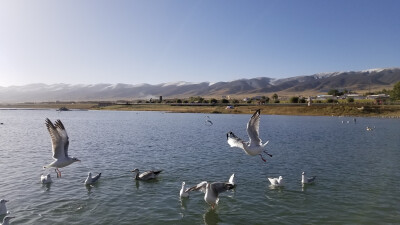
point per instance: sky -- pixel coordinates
(161, 41)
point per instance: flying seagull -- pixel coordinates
(254, 146)
(148, 175)
(60, 142)
(211, 190)
(307, 180)
(91, 180)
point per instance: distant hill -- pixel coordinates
(359, 81)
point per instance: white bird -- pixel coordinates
(182, 192)
(232, 179)
(211, 190)
(307, 180)
(254, 146)
(45, 179)
(6, 220)
(148, 175)
(3, 207)
(60, 143)
(276, 181)
(91, 180)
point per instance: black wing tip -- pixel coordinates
(59, 124)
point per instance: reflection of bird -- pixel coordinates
(208, 121)
(276, 181)
(60, 143)
(211, 217)
(148, 175)
(307, 180)
(211, 190)
(254, 146)
(183, 193)
(6, 220)
(45, 179)
(3, 207)
(91, 180)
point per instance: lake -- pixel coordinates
(358, 171)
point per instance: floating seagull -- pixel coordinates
(232, 180)
(254, 146)
(60, 142)
(370, 128)
(148, 175)
(307, 180)
(183, 193)
(91, 180)
(3, 207)
(276, 181)
(6, 220)
(211, 190)
(45, 179)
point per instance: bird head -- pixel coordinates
(8, 218)
(76, 159)
(2, 201)
(136, 170)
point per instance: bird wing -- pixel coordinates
(234, 141)
(63, 134)
(95, 178)
(56, 140)
(199, 187)
(311, 179)
(149, 174)
(253, 129)
(273, 181)
(219, 187)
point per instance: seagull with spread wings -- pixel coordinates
(254, 146)
(60, 143)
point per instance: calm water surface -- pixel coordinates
(358, 171)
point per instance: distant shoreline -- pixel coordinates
(352, 110)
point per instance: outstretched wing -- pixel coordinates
(63, 134)
(234, 141)
(56, 140)
(219, 187)
(253, 129)
(199, 187)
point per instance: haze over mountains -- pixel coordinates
(359, 81)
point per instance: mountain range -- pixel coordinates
(321, 83)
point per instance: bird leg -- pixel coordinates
(267, 153)
(58, 173)
(262, 158)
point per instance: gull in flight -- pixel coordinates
(45, 179)
(148, 175)
(276, 181)
(211, 190)
(6, 220)
(60, 142)
(3, 207)
(307, 180)
(182, 192)
(92, 180)
(254, 146)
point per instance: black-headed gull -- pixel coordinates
(211, 190)
(307, 180)
(91, 180)
(276, 181)
(148, 175)
(60, 143)
(6, 220)
(3, 207)
(182, 192)
(254, 146)
(45, 179)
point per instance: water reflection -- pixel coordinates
(211, 217)
(46, 186)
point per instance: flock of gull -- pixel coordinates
(252, 147)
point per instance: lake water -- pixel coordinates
(358, 171)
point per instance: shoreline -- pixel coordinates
(350, 110)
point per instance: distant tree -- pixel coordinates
(335, 92)
(294, 99)
(302, 100)
(331, 100)
(350, 100)
(235, 101)
(395, 93)
(275, 96)
(213, 100)
(225, 101)
(178, 101)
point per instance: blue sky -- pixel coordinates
(149, 41)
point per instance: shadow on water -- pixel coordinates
(47, 186)
(211, 217)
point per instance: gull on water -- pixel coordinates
(92, 180)
(182, 192)
(148, 175)
(60, 143)
(307, 180)
(6, 220)
(45, 179)
(3, 207)
(254, 146)
(276, 181)
(211, 190)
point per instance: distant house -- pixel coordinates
(325, 97)
(354, 96)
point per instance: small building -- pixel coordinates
(325, 97)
